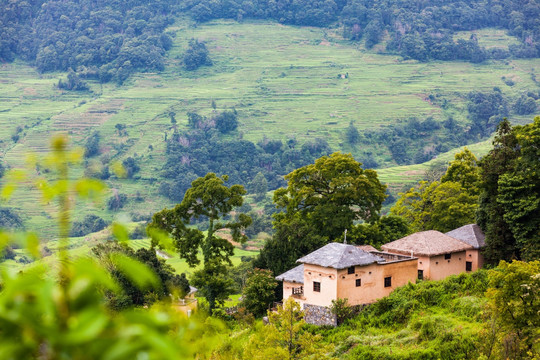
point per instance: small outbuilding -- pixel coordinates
(472, 235)
(439, 255)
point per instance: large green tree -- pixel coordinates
(258, 293)
(514, 299)
(519, 193)
(319, 203)
(500, 241)
(446, 204)
(211, 199)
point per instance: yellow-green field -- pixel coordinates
(283, 81)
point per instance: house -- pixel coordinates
(339, 271)
(472, 235)
(188, 303)
(439, 255)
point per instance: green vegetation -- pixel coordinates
(486, 315)
(293, 76)
(210, 199)
(446, 204)
(509, 208)
(321, 201)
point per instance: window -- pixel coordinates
(388, 281)
(468, 265)
(420, 274)
(447, 256)
(316, 286)
(358, 282)
(350, 270)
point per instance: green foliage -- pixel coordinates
(210, 198)
(63, 316)
(131, 167)
(258, 294)
(331, 194)
(352, 134)
(91, 147)
(420, 32)
(196, 55)
(118, 259)
(90, 224)
(486, 110)
(226, 121)
(9, 219)
(258, 186)
(464, 170)
(436, 206)
(519, 193)
(284, 337)
(500, 241)
(101, 40)
(341, 309)
(510, 199)
(117, 201)
(73, 82)
(321, 201)
(525, 105)
(443, 205)
(514, 295)
(200, 150)
(387, 228)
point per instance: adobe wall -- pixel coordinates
(439, 268)
(327, 278)
(476, 257)
(287, 291)
(319, 315)
(372, 280)
(424, 265)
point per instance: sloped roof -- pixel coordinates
(470, 234)
(295, 275)
(426, 243)
(339, 256)
(367, 248)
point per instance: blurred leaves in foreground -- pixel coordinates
(58, 311)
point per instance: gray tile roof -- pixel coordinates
(295, 275)
(339, 256)
(470, 234)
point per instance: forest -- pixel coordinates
(207, 145)
(110, 40)
(491, 313)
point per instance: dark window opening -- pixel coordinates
(388, 281)
(316, 286)
(358, 282)
(468, 266)
(447, 256)
(350, 270)
(420, 274)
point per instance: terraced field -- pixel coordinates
(284, 81)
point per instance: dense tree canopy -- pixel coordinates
(319, 203)
(443, 205)
(500, 241)
(519, 192)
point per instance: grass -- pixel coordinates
(283, 81)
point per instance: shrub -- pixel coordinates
(116, 202)
(90, 224)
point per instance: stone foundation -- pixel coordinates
(319, 315)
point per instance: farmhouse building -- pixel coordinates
(338, 271)
(439, 255)
(472, 235)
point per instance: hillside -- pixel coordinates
(284, 82)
